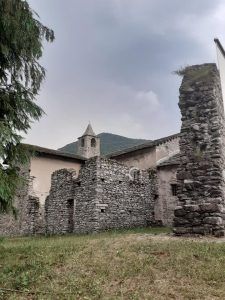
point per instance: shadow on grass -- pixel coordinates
(105, 233)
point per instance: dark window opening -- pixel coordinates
(93, 142)
(93, 179)
(136, 175)
(174, 189)
(102, 210)
(79, 183)
(203, 147)
(156, 197)
(102, 179)
(70, 208)
(82, 142)
(120, 181)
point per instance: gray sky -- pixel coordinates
(112, 60)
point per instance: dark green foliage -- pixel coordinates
(181, 71)
(21, 37)
(109, 143)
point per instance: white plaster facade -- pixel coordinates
(41, 169)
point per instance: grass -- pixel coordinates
(132, 264)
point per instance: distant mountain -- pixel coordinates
(109, 143)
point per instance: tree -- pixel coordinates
(21, 75)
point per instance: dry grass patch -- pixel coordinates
(136, 264)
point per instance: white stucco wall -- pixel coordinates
(149, 157)
(166, 202)
(41, 169)
(142, 159)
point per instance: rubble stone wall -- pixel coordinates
(28, 219)
(105, 196)
(123, 201)
(56, 206)
(200, 175)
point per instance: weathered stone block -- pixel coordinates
(219, 233)
(191, 207)
(182, 230)
(199, 230)
(210, 207)
(181, 221)
(179, 211)
(213, 220)
(192, 215)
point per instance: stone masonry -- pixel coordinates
(200, 174)
(105, 195)
(28, 219)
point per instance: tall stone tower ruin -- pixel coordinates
(89, 143)
(200, 176)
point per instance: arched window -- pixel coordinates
(82, 142)
(93, 142)
(137, 175)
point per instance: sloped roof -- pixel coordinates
(172, 160)
(89, 131)
(144, 146)
(52, 152)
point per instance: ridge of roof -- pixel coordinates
(144, 145)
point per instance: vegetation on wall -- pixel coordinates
(21, 75)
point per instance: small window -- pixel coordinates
(102, 180)
(102, 210)
(82, 142)
(174, 189)
(156, 196)
(136, 175)
(203, 147)
(70, 203)
(93, 142)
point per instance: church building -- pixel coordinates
(87, 192)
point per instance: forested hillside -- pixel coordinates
(109, 143)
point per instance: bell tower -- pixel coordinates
(89, 143)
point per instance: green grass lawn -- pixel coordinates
(132, 264)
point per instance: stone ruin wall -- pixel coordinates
(104, 198)
(56, 210)
(29, 219)
(124, 202)
(166, 201)
(200, 175)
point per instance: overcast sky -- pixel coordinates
(112, 63)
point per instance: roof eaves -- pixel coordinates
(54, 152)
(144, 145)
